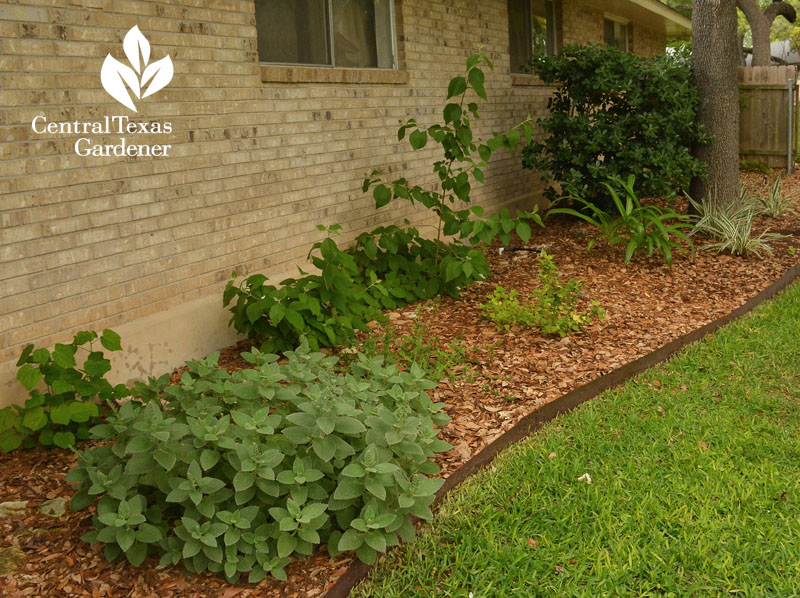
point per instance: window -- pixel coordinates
(343, 33)
(617, 34)
(533, 30)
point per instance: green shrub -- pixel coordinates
(237, 473)
(553, 307)
(326, 308)
(72, 400)
(615, 114)
(392, 266)
(651, 228)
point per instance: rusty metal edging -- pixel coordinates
(566, 403)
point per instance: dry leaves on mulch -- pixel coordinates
(647, 303)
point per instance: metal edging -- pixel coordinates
(566, 403)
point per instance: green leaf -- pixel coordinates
(350, 540)
(457, 86)
(452, 113)
(64, 355)
(7, 418)
(452, 271)
(29, 376)
(10, 441)
(165, 458)
(524, 231)
(96, 365)
(136, 554)
(348, 488)
(476, 80)
(208, 458)
(376, 541)
(382, 195)
(324, 447)
(286, 545)
(61, 414)
(276, 313)
(125, 537)
(111, 340)
(139, 444)
(41, 356)
(148, 533)
(418, 139)
(34, 419)
(243, 480)
(64, 439)
(295, 319)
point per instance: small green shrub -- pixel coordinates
(730, 226)
(326, 308)
(615, 114)
(754, 166)
(236, 473)
(553, 307)
(775, 203)
(72, 400)
(651, 228)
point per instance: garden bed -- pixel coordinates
(502, 377)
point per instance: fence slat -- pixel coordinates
(764, 105)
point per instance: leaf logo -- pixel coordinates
(143, 79)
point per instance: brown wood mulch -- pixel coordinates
(647, 303)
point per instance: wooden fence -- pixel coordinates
(764, 117)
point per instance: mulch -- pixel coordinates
(647, 303)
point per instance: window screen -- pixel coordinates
(346, 33)
(617, 34)
(533, 28)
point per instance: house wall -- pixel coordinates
(259, 156)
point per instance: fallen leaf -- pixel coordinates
(54, 508)
(532, 543)
(13, 507)
(585, 478)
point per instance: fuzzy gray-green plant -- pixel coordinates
(236, 473)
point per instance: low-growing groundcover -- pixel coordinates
(694, 491)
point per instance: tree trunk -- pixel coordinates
(716, 57)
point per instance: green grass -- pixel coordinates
(695, 491)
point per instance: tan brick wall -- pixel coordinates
(646, 42)
(258, 159)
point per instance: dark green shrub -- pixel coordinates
(73, 396)
(238, 473)
(615, 114)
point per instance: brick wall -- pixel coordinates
(259, 157)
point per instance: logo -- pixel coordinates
(141, 78)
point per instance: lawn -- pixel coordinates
(695, 487)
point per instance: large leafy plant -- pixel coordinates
(649, 228)
(238, 473)
(392, 266)
(615, 114)
(73, 394)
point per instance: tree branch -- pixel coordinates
(777, 8)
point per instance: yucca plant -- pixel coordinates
(775, 203)
(730, 226)
(656, 229)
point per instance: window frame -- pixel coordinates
(628, 31)
(557, 18)
(330, 35)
